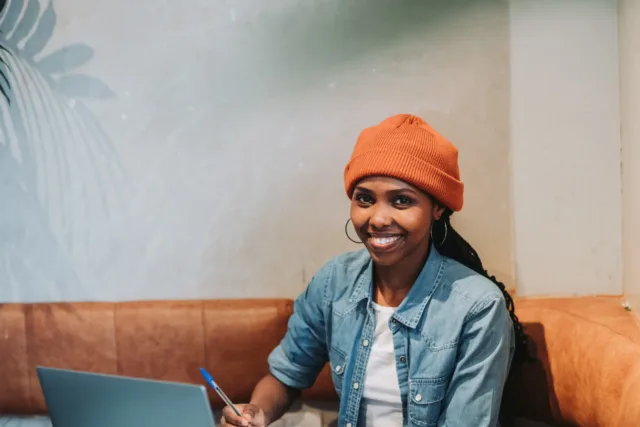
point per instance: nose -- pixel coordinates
(381, 216)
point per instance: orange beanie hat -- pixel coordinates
(407, 148)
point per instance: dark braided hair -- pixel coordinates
(452, 245)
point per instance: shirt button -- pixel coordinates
(418, 397)
(338, 368)
(402, 359)
(393, 320)
(365, 343)
(356, 385)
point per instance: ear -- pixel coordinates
(437, 211)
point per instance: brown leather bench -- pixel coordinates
(587, 373)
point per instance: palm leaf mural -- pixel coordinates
(58, 168)
(4, 81)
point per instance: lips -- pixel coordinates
(384, 243)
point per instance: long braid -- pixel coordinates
(454, 246)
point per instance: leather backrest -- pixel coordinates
(587, 373)
(166, 340)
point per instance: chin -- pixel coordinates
(386, 260)
(396, 254)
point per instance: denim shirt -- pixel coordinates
(452, 334)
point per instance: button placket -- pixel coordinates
(353, 403)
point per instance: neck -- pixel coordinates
(393, 282)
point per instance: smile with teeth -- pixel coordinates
(384, 241)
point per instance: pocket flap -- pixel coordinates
(424, 391)
(338, 361)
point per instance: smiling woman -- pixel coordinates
(415, 331)
(404, 165)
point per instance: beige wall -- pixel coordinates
(565, 143)
(196, 149)
(629, 18)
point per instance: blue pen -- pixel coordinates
(218, 390)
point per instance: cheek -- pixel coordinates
(358, 216)
(417, 224)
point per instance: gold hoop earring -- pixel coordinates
(346, 231)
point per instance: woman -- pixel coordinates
(415, 331)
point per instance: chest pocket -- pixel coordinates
(338, 361)
(425, 400)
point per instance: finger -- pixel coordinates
(231, 418)
(249, 412)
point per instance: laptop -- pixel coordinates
(84, 399)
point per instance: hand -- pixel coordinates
(252, 416)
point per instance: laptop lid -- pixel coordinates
(83, 399)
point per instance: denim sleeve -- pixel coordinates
(302, 353)
(485, 353)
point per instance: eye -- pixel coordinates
(402, 201)
(363, 198)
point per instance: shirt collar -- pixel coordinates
(412, 307)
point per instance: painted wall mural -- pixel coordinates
(202, 157)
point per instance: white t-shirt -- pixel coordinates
(381, 401)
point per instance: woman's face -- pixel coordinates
(392, 218)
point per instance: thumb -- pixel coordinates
(248, 412)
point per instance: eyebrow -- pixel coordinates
(392, 192)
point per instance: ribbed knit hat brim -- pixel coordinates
(405, 147)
